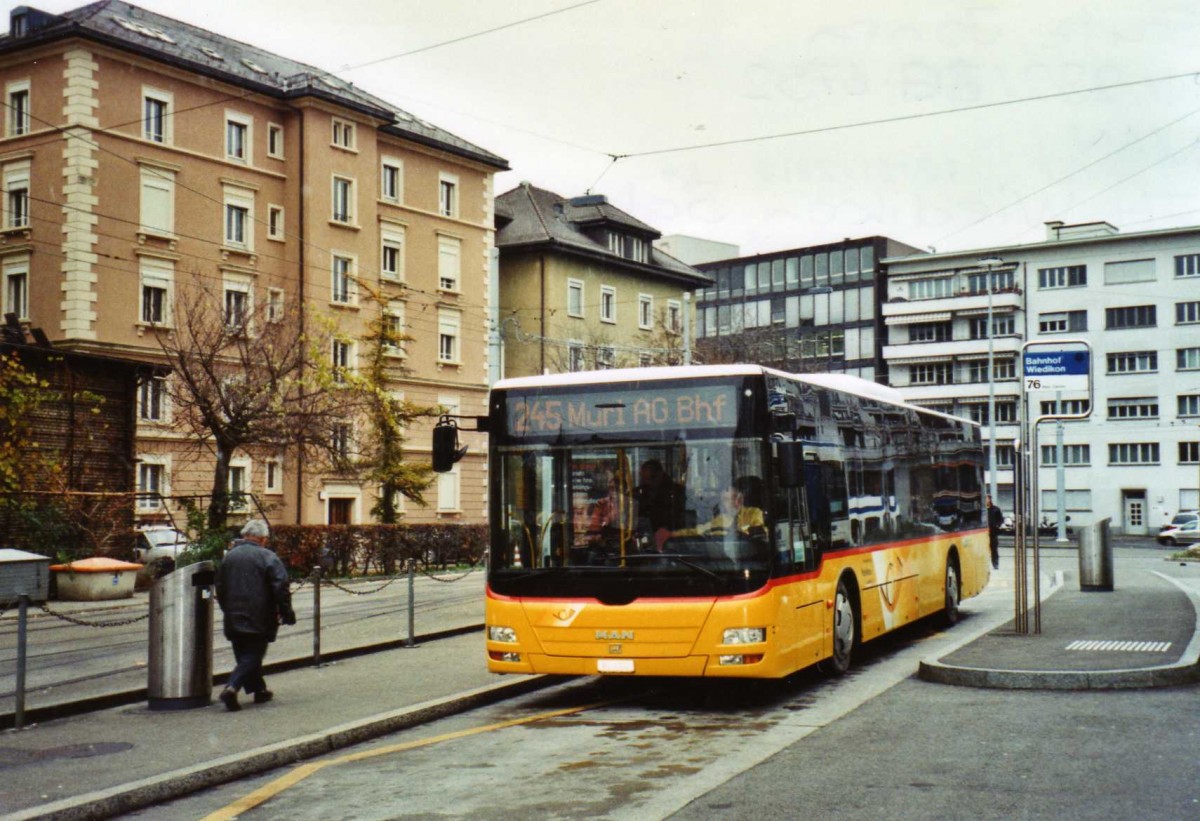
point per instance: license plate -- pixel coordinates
(614, 665)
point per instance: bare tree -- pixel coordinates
(242, 379)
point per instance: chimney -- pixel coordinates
(1052, 228)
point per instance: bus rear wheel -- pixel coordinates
(950, 614)
(845, 630)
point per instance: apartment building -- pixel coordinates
(1135, 298)
(145, 159)
(801, 310)
(582, 286)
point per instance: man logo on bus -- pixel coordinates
(614, 635)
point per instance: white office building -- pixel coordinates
(1135, 298)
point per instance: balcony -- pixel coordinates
(919, 352)
(904, 312)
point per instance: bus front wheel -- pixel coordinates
(845, 630)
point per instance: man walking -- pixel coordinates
(252, 589)
(995, 518)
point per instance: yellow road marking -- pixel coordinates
(269, 791)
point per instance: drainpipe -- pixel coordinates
(303, 323)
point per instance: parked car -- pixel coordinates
(156, 541)
(1183, 529)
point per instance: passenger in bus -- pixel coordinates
(660, 502)
(604, 511)
(733, 513)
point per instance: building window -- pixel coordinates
(934, 288)
(1067, 407)
(575, 361)
(237, 138)
(1134, 270)
(151, 485)
(932, 373)
(448, 491)
(393, 328)
(1133, 408)
(343, 133)
(342, 440)
(608, 303)
(157, 276)
(391, 254)
(1001, 281)
(606, 357)
(342, 282)
(1006, 456)
(16, 288)
(158, 201)
(574, 298)
(1187, 313)
(239, 487)
(156, 116)
(449, 263)
(273, 480)
(448, 195)
(16, 194)
(1133, 453)
(1073, 455)
(342, 360)
(1062, 322)
(1189, 453)
(343, 200)
(152, 398)
(391, 180)
(1001, 326)
(237, 306)
(675, 316)
(274, 304)
(275, 141)
(1133, 362)
(18, 108)
(1189, 405)
(239, 218)
(1187, 359)
(1187, 265)
(1069, 276)
(449, 330)
(274, 222)
(931, 332)
(645, 311)
(1135, 316)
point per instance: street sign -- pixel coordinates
(1056, 369)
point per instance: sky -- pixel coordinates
(775, 124)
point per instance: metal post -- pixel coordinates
(991, 373)
(411, 642)
(1037, 545)
(687, 327)
(22, 625)
(1060, 475)
(316, 583)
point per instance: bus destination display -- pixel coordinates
(696, 407)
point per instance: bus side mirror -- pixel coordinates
(790, 463)
(445, 447)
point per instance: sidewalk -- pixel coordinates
(1143, 633)
(116, 760)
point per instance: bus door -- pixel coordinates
(798, 555)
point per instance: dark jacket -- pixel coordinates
(252, 588)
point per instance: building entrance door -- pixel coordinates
(1135, 512)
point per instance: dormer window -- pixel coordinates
(623, 245)
(19, 25)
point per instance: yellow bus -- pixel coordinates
(729, 520)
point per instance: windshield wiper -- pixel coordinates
(681, 559)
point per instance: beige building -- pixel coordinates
(582, 287)
(144, 158)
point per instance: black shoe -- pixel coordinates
(229, 699)
(263, 696)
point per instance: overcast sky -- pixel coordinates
(557, 96)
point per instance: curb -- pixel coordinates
(66, 709)
(154, 790)
(1184, 671)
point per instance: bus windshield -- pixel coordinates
(682, 518)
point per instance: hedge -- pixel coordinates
(345, 550)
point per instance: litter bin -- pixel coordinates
(1095, 557)
(181, 638)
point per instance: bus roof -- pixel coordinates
(842, 382)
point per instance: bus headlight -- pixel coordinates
(504, 634)
(744, 635)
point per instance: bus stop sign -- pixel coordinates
(1056, 369)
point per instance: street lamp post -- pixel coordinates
(990, 263)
